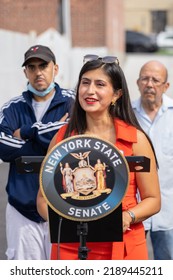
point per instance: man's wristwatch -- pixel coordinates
(132, 215)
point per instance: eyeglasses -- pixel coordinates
(145, 80)
(105, 59)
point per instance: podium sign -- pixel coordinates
(84, 178)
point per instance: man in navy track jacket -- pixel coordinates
(27, 124)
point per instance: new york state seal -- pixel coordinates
(84, 178)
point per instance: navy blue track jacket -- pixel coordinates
(18, 113)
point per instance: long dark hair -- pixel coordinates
(122, 109)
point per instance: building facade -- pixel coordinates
(97, 23)
(149, 16)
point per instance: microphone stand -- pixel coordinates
(82, 230)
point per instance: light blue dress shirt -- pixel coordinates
(160, 131)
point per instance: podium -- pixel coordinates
(113, 232)
(106, 227)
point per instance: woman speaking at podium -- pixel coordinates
(103, 109)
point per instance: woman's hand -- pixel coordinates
(42, 206)
(126, 220)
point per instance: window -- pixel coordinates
(159, 21)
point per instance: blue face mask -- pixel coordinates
(41, 93)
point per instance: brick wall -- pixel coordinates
(24, 16)
(93, 23)
(88, 23)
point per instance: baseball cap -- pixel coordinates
(39, 51)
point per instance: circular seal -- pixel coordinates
(84, 178)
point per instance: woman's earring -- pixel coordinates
(113, 102)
